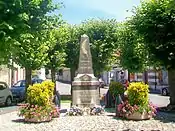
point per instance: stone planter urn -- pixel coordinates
(36, 120)
(139, 116)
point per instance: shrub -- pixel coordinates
(116, 88)
(40, 107)
(138, 94)
(50, 86)
(40, 94)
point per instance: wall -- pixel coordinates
(11, 76)
(154, 78)
(5, 74)
(66, 75)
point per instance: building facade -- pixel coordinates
(11, 75)
(154, 78)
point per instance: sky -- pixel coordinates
(76, 11)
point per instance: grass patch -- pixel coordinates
(111, 110)
(65, 101)
(66, 97)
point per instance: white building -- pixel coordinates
(11, 75)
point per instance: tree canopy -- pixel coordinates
(57, 39)
(133, 53)
(23, 36)
(155, 21)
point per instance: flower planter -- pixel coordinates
(138, 116)
(36, 120)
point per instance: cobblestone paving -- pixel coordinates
(11, 122)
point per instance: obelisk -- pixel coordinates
(85, 85)
(85, 58)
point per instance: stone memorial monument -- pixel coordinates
(85, 87)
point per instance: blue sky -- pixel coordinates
(76, 11)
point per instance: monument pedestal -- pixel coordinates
(85, 91)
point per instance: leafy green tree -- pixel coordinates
(72, 49)
(12, 22)
(155, 21)
(133, 53)
(29, 48)
(56, 54)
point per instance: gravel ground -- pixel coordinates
(106, 122)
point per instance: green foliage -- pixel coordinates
(28, 42)
(138, 94)
(137, 102)
(40, 94)
(20, 23)
(133, 53)
(39, 107)
(155, 21)
(116, 88)
(31, 51)
(57, 39)
(11, 24)
(72, 49)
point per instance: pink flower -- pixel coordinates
(119, 107)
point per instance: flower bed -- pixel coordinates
(137, 106)
(77, 111)
(126, 110)
(39, 107)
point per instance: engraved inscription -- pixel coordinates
(85, 97)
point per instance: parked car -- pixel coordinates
(164, 90)
(5, 94)
(18, 89)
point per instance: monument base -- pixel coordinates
(85, 91)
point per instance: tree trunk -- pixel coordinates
(28, 78)
(53, 72)
(72, 79)
(128, 75)
(171, 82)
(146, 77)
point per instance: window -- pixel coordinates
(2, 86)
(23, 83)
(18, 83)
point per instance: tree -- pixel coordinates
(12, 23)
(133, 53)
(155, 21)
(72, 49)
(56, 54)
(29, 48)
